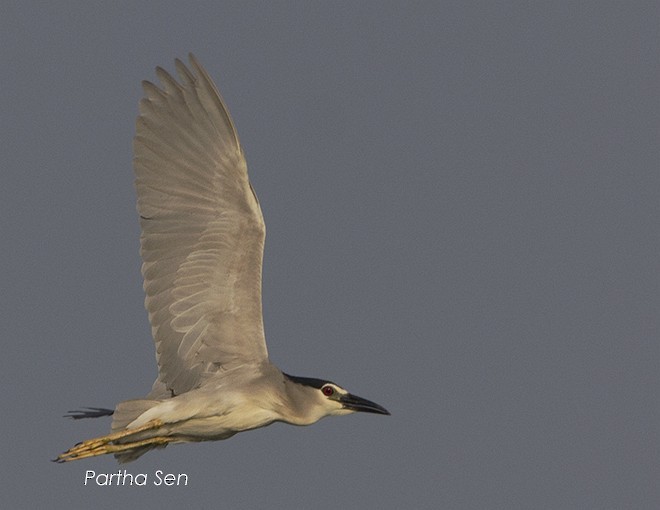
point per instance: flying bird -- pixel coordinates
(202, 247)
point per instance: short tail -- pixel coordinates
(126, 444)
(124, 414)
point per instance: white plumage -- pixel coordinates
(202, 246)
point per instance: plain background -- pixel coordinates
(462, 210)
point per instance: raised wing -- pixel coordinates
(202, 231)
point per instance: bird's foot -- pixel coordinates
(102, 445)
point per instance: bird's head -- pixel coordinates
(316, 398)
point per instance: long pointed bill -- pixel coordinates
(355, 403)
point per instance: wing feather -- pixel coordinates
(202, 231)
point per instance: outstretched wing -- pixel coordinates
(202, 231)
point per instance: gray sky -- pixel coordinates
(462, 207)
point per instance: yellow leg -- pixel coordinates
(100, 445)
(115, 448)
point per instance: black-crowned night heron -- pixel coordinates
(202, 246)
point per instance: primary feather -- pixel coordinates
(202, 232)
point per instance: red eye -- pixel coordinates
(327, 390)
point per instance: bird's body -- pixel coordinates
(202, 247)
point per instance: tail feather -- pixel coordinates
(127, 444)
(135, 453)
(125, 413)
(129, 410)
